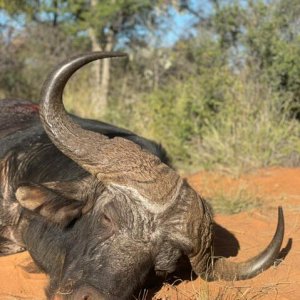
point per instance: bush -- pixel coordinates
(252, 130)
(238, 125)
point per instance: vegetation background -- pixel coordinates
(216, 82)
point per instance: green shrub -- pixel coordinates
(246, 126)
(252, 130)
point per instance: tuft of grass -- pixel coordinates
(207, 291)
(235, 201)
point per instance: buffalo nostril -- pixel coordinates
(88, 293)
(87, 296)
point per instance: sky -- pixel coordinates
(181, 24)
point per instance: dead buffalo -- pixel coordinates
(97, 210)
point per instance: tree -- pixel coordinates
(264, 36)
(108, 24)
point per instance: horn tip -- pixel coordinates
(280, 215)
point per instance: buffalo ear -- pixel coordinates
(49, 204)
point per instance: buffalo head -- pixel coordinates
(132, 213)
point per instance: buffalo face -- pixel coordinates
(108, 250)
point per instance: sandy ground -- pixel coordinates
(253, 230)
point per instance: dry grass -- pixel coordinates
(217, 291)
(234, 201)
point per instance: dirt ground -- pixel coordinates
(253, 230)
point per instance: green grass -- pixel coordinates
(234, 202)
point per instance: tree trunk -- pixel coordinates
(105, 75)
(97, 106)
(101, 75)
(101, 72)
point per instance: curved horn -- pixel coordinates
(110, 160)
(224, 269)
(69, 137)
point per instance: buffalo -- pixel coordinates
(99, 207)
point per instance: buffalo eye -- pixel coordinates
(106, 220)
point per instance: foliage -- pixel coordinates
(120, 18)
(267, 36)
(227, 97)
(252, 130)
(248, 128)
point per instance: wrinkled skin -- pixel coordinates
(116, 255)
(92, 261)
(102, 211)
